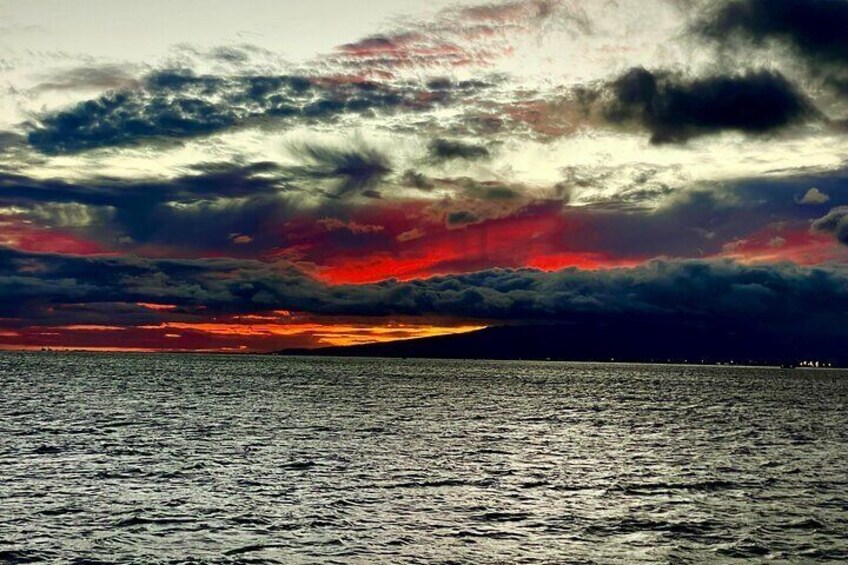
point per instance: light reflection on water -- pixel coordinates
(118, 458)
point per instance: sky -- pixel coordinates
(258, 175)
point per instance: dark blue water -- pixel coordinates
(184, 458)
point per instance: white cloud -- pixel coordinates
(814, 196)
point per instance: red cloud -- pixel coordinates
(28, 237)
(475, 35)
(781, 242)
(417, 243)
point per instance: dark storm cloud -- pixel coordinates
(173, 105)
(813, 29)
(709, 290)
(446, 150)
(834, 222)
(816, 28)
(674, 108)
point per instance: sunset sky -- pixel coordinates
(257, 175)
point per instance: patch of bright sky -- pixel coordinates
(616, 36)
(145, 31)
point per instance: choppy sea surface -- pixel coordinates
(252, 459)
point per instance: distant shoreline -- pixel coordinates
(317, 355)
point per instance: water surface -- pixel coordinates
(225, 459)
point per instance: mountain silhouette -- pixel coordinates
(621, 340)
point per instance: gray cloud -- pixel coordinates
(446, 150)
(10, 140)
(99, 77)
(834, 222)
(355, 169)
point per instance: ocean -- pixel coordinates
(131, 458)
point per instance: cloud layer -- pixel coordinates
(721, 289)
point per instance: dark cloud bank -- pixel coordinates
(708, 291)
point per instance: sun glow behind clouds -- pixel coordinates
(246, 333)
(324, 334)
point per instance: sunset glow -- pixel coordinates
(416, 170)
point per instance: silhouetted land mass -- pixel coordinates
(620, 341)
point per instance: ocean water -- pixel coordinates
(252, 459)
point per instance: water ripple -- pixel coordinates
(217, 459)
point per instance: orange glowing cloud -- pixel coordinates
(268, 331)
(324, 334)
